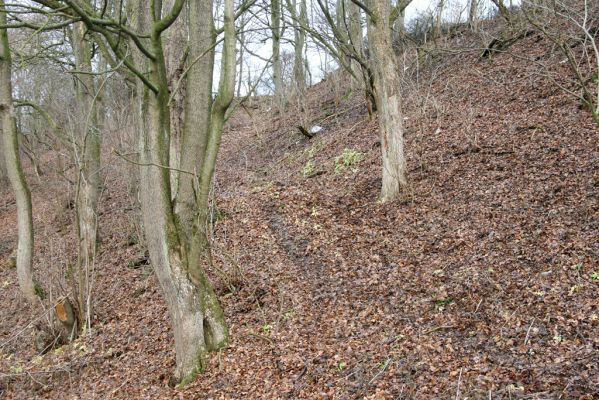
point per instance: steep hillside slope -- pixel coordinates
(480, 281)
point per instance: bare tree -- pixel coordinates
(174, 221)
(14, 168)
(86, 146)
(572, 28)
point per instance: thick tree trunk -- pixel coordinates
(14, 168)
(87, 156)
(388, 100)
(176, 235)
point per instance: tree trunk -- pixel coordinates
(355, 38)
(299, 73)
(175, 39)
(473, 15)
(277, 70)
(388, 100)
(87, 156)
(3, 171)
(175, 235)
(14, 168)
(439, 19)
(503, 10)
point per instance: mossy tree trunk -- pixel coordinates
(14, 168)
(176, 230)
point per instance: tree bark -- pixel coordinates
(277, 70)
(87, 157)
(473, 15)
(503, 10)
(15, 169)
(175, 39)
(175, 235)
(3, 171)
(299, 72)
(355, 39)
(388, 100)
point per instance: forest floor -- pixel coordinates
(481, 281)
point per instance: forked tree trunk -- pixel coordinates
(175, 235)
(14, 168)
(388, 100)
(87, 156)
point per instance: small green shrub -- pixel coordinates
(348, 158)
(308, 169)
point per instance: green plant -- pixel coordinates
(444, 302)
(348, 158)
(308, 169)
(595, 276)
(288, 315)
(340, 366)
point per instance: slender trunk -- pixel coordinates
(299, 73)
(473, 15)
(277, 70)
(87, 156)
(174, 53)
(388, 100)
(355, 38)
(197, 111)
(503, 10)
(14, 168)
(342, 26)
(439, 19)
(399, 27)
(241, 39)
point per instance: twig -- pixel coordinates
(457, 395)
(381, 371)
(255, 335)
(528, 332)
(152, 164)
